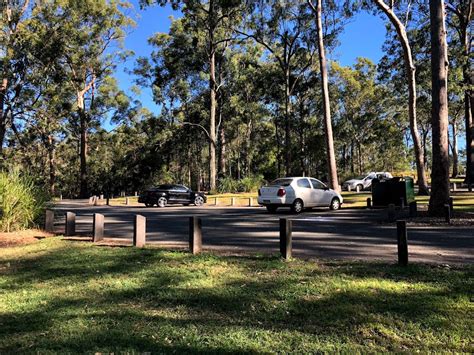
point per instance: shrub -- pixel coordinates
(227, 184)
(247, 184)
(21, 202)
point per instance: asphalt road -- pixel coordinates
(345, 234)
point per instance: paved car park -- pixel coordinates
(350, 234)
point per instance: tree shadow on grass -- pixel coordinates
(170, 305)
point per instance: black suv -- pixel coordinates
(171, 194)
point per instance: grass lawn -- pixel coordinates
(65, 296)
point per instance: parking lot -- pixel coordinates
(350, 234)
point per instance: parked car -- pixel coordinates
(298, 193)
(163, 195)
(365, 181)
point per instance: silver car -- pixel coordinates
(298, 193)
(364, 181)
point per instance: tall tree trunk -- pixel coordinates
(455, 150)
(3, 116)
(468, 98)
(84, 193)
(352, 158)
(287, 125)
(410, 72)
(213, 100)
(463, 10)
(52, 165)
(212, 125)
(222, 152)
(439, 110)
(331, 157)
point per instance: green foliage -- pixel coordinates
(247, 184)
(21, 201)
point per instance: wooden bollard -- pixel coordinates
(49, 221)
(447, 213)
(139, 231)
(101, 197)
(402, 243)
(451, 205)
(232, 201)
(357, 189)
(369, 203)
(127, 201)
(91, 200)
(60, 197)
(402, 203)
(215, 201)
(349, 188)
(70, 224)
(250, 201)
(413, 209)
(286, 227)
(136, 193)
(108, 201)
(96, 200)
(195, 235)
(455, 188)
(98, 227)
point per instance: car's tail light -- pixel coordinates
(259, 192)
(281, 192)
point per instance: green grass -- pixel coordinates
(59, 296)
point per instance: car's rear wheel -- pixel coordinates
(297, 206)
(162, 202)
(272, 209)
(335, 204)
(199, 201)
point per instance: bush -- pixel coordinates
(21, 202)
(247, 184)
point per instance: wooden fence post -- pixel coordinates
(195, 235)
(286, 227)
(70, 224)
(97, 227)
(139, 231)
(447, 213)
(402, 243)
(413, 209)
(49, 221)
(369, 203)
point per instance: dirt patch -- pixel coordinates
(458, 218)
(22, 237)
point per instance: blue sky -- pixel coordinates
(363, 37)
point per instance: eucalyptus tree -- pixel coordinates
(91, 31)
(335, 21)
(459, 19)
(368, 136)
(14, 62)
(394, 12)
(212, 23)
(283, 28)
(439, 73)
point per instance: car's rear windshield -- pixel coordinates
(281, 182)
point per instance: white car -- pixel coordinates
(298, 193)
(365, 181)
